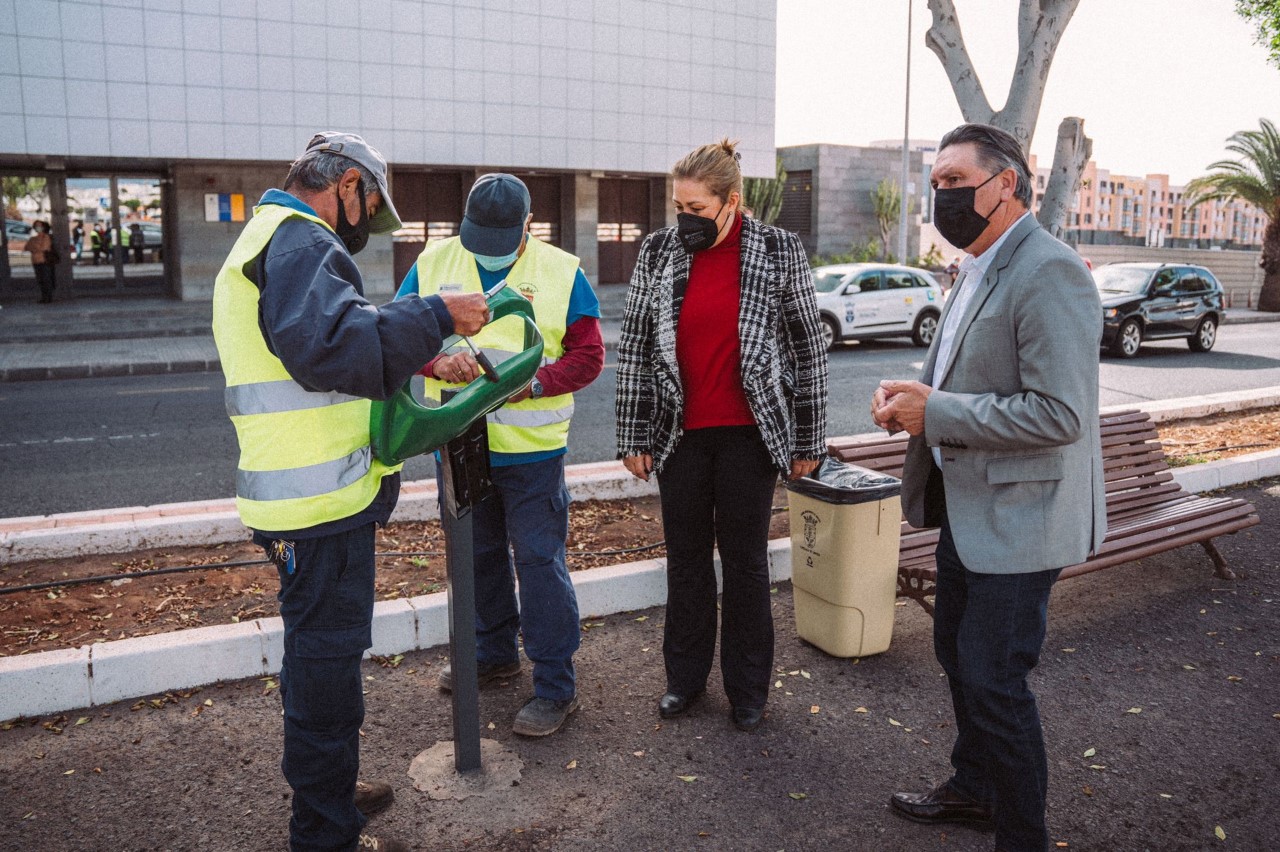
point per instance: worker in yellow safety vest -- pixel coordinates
(528, 513)
(303, 351)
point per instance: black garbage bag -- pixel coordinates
(845, 484)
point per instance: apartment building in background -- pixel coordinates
(1148, 211)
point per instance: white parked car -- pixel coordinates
(859, 301)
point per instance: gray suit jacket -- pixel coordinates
(1016, 415)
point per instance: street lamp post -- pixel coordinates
(906, 150)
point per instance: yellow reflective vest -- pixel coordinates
(305, 458)
(544, 275)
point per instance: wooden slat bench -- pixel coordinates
(1148, 512)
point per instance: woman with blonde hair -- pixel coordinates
(722, 385)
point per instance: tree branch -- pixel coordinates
(1041, 24)
(945, 40)
(1069, 159)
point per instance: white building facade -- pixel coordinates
(591, 101)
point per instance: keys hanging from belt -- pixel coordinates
(281, 553)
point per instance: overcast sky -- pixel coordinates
(1161, 84)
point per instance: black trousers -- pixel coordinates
(717, 489)
(45, 278)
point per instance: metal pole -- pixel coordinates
(906, 132)
(456, 520)
(116, 246)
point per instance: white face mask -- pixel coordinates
(493, 264)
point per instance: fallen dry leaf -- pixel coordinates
(687, 778)
(1134, 710)
(1219, 833)
(573, 764)
(798, 796)
(814, 709)
(1090, 752)
(895, 723)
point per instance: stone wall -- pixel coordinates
(844, 176)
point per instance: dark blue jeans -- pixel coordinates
(527, 517)
(327, 606)
(987, 633)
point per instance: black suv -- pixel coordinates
(1156, 301)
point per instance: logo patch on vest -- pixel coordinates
(528, 290)
(450, 288)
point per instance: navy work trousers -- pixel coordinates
(327, 607)
(988, 630)
(717, 489)
(526, 516)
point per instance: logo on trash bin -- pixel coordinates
(810, 528)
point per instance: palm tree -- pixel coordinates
(1254, 178)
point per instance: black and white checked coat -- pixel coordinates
(784, 362)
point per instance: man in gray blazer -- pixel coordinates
(1005, 457)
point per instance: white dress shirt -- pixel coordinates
(972, 271)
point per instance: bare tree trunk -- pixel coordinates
(1269, 297)
(1041, 24)
(1069, 158)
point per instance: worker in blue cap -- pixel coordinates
(520, 530)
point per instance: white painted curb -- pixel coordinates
(55, 681)
(216, 522)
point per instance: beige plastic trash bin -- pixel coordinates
(845, 523)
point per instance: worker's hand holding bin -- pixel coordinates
(845, 525)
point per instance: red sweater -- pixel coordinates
(707, 344)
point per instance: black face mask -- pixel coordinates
(698, 232)
(955, 217)
(354, 237)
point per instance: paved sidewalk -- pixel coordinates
(117, 336)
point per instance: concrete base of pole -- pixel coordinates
(433, 772)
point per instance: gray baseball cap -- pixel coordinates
(354, 147)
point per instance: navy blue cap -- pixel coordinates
(493, 223)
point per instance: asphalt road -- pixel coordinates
(68, 446)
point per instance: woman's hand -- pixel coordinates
(640, 466)
(803, 467)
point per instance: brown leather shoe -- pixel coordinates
(943, 805)
(373, 796)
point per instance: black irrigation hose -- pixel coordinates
(182, 569)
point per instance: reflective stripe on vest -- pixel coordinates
(545, 275)
(305, 458)
(274, 397)
(299, 482)
(508, 416)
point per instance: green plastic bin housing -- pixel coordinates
(401, 427)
